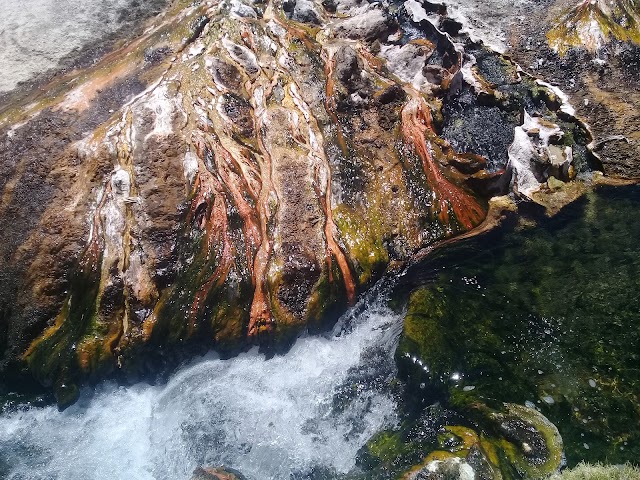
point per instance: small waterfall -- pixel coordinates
(276, 418)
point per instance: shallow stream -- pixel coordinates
(545, 316)
(271, 419)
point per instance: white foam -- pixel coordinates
(266, 418)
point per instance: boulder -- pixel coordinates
(208, 473)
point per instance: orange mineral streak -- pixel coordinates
(333, 249)
(236, 183)
(416, 127)
(260, 319)
(211, 194)
(330, 103)
(247, 38)
(376, 64)
(297, 33)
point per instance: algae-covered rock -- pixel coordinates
(513, 442)
(592, 24)
(531, 443)
(448, 469)
(241, 173)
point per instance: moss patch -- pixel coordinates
(585, 471)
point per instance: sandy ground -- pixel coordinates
(36, 34)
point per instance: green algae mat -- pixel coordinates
(546, 318)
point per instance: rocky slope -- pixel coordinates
(243, 171)
(591, 49)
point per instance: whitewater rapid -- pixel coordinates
(277, 418)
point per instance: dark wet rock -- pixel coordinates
(196, 27)
(157, 54)
(468, 163)
(478, 460)
(491, 183)
(226, 74)
(349, 69)
(452, 27)
(303, 11)
(485, 131)
(240, 113)
(330, 5)
(300, 274)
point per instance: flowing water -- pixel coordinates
(277, 418)
(560, 304)
(549, 317)
(545, 317)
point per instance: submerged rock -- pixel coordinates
(216, 474)
(542, 320)
(449, 469)
(510, 443)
